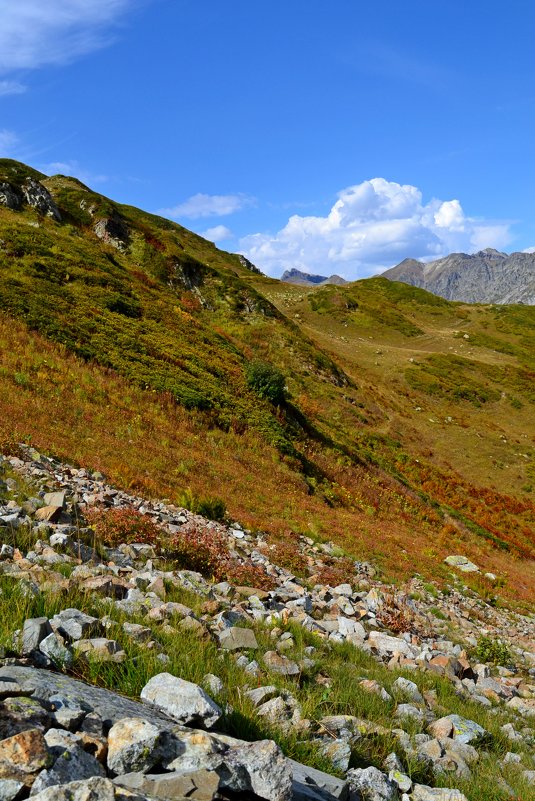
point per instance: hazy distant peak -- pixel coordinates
(295, 276)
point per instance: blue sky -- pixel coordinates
(329, 136)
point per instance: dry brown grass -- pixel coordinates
(144, 442)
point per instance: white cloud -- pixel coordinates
(34, 33)
(74, 169)
(8, 142)
(201, 205)
(218, 233)
(529, 250)
(11, 88)
(372, 226)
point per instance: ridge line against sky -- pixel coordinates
(263, 127)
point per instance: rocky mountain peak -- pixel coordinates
(488, 276)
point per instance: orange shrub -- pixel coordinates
(123, 524)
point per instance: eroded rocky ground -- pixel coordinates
(385, 689)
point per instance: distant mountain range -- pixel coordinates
(307, 279)
(488, 276)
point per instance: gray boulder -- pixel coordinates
(34, 631)
(10, 789)
(369, 784)
(133, 745)
(201, 785)
(183, 701)
(74, 764)
(235, 638)
(259, 768)
(75, 625)
(94, 789)
(420, 792)
(467, 731)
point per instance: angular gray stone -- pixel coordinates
(386, 645)
(9, 196)
(34, 631)
(281, 664)
(308, 781)
(409, 711)
(133, 745)
(20, 714)
(37, 196)
(525, 706)
(10, 789)
(74, 764)
(10, 689)
(107, 707)
(420, 792)
(192, 750)
(408, 689)
(200, 785)
(55, 649)
(236, 638)
(467, 731)
(182, 700)
(100, 649)
(94, 789)
(338, 752)
(75, 625)
(372, 785)
(260, 768)
(259, 695)
(67, 713)
(55, 499)
(462, 563)
(213, 684)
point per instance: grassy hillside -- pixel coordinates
(126, 343)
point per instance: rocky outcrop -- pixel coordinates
(249, 265)
(484, 277)
(30, 193)
(113, 230)
(9, 196)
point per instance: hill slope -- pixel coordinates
(127, 344)
(484, 277)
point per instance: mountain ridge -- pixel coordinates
(295, 276)
(488, 276)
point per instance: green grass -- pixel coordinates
(192, 657)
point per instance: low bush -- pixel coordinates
(267, 381)
(200, 549)
(489, 650)
(286, 553)
(114, 526)
(338, 571)
(206, 551)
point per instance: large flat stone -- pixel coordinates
(108, 705)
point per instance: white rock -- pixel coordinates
(182, 700)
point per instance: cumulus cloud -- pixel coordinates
(201, 205)
(34, 33)
(372, 226)
(218, 233)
